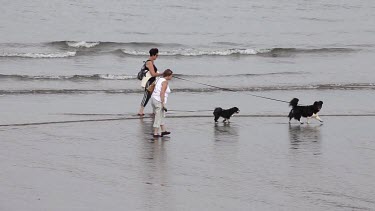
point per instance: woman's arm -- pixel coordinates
(164, 86)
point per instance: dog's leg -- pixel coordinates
(216, 118)
(290, 115)
(317, 117)
(308, 120)
(225, 120)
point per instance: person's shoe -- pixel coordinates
(165, 133)
(140, 114)
(156, 135)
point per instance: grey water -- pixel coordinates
(68, 96)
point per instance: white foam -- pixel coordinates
(82, 44)
(264, 50)
(46, 77)
(40, 55)
(135, 52)
(115, 77)
(198, 52)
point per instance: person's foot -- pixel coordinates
(165, 133)
(140, 114)
(157, 135)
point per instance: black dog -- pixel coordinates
(225, 113)
(304, 111)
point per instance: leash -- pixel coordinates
(231, 90)
(189, 110)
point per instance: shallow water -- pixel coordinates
(23, 109)
(260, 163)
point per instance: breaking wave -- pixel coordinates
(82, 44)
(196, 52)
(40, 55)
(127, 77)
(70, 77)
(119, 45)
(362, 86)
(239, 51)
(79, 48)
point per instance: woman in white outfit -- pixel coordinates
(159, 100)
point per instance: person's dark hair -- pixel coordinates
(167, 73)
(154, 51)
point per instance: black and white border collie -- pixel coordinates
(304, 111)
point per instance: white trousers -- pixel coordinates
(159, 113)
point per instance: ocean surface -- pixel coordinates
(70, 139)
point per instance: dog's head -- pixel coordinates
(318, 105)
(235, 110)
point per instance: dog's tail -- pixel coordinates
(217, 111)
(294, 102)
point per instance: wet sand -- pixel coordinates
(253, 163)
